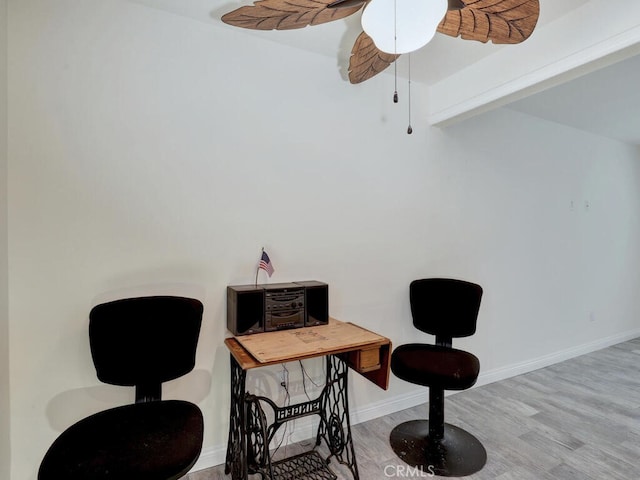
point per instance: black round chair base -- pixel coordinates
(458, 454)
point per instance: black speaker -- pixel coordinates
(316, 302)
(245, 309)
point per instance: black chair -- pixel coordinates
(140, 342)
(448, 309)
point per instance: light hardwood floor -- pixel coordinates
(579, 419)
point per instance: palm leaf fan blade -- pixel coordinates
(285, 14)
(366, 60)
(502, 21)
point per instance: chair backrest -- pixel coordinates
(445, 307)
(144, 341)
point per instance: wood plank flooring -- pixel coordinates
(576, 420)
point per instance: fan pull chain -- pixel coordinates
(409, 129)
(395, 92)
(395, 52)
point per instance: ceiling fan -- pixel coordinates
(501, 21)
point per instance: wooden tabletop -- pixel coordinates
(269, 348)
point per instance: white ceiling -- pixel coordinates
(604, 101)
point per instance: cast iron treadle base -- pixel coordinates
(458, 454)
(307, 466)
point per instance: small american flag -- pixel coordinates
(265, 264)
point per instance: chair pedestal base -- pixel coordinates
(457, 454)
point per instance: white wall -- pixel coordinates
(551, 215)
(152, 153)
(5, 422)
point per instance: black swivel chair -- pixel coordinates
(448, 309)
(139, 342)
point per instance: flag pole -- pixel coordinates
(258, 269)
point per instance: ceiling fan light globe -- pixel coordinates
(415, 23)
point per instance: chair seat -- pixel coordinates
(158, 440)
(435, 366)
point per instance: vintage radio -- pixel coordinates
(283, 306)
(278, 306)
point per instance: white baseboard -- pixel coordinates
(553, 358)
(210, 457)
(213, 456)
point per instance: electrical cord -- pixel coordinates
(288, 432)
(287, 400)
(305, 374)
